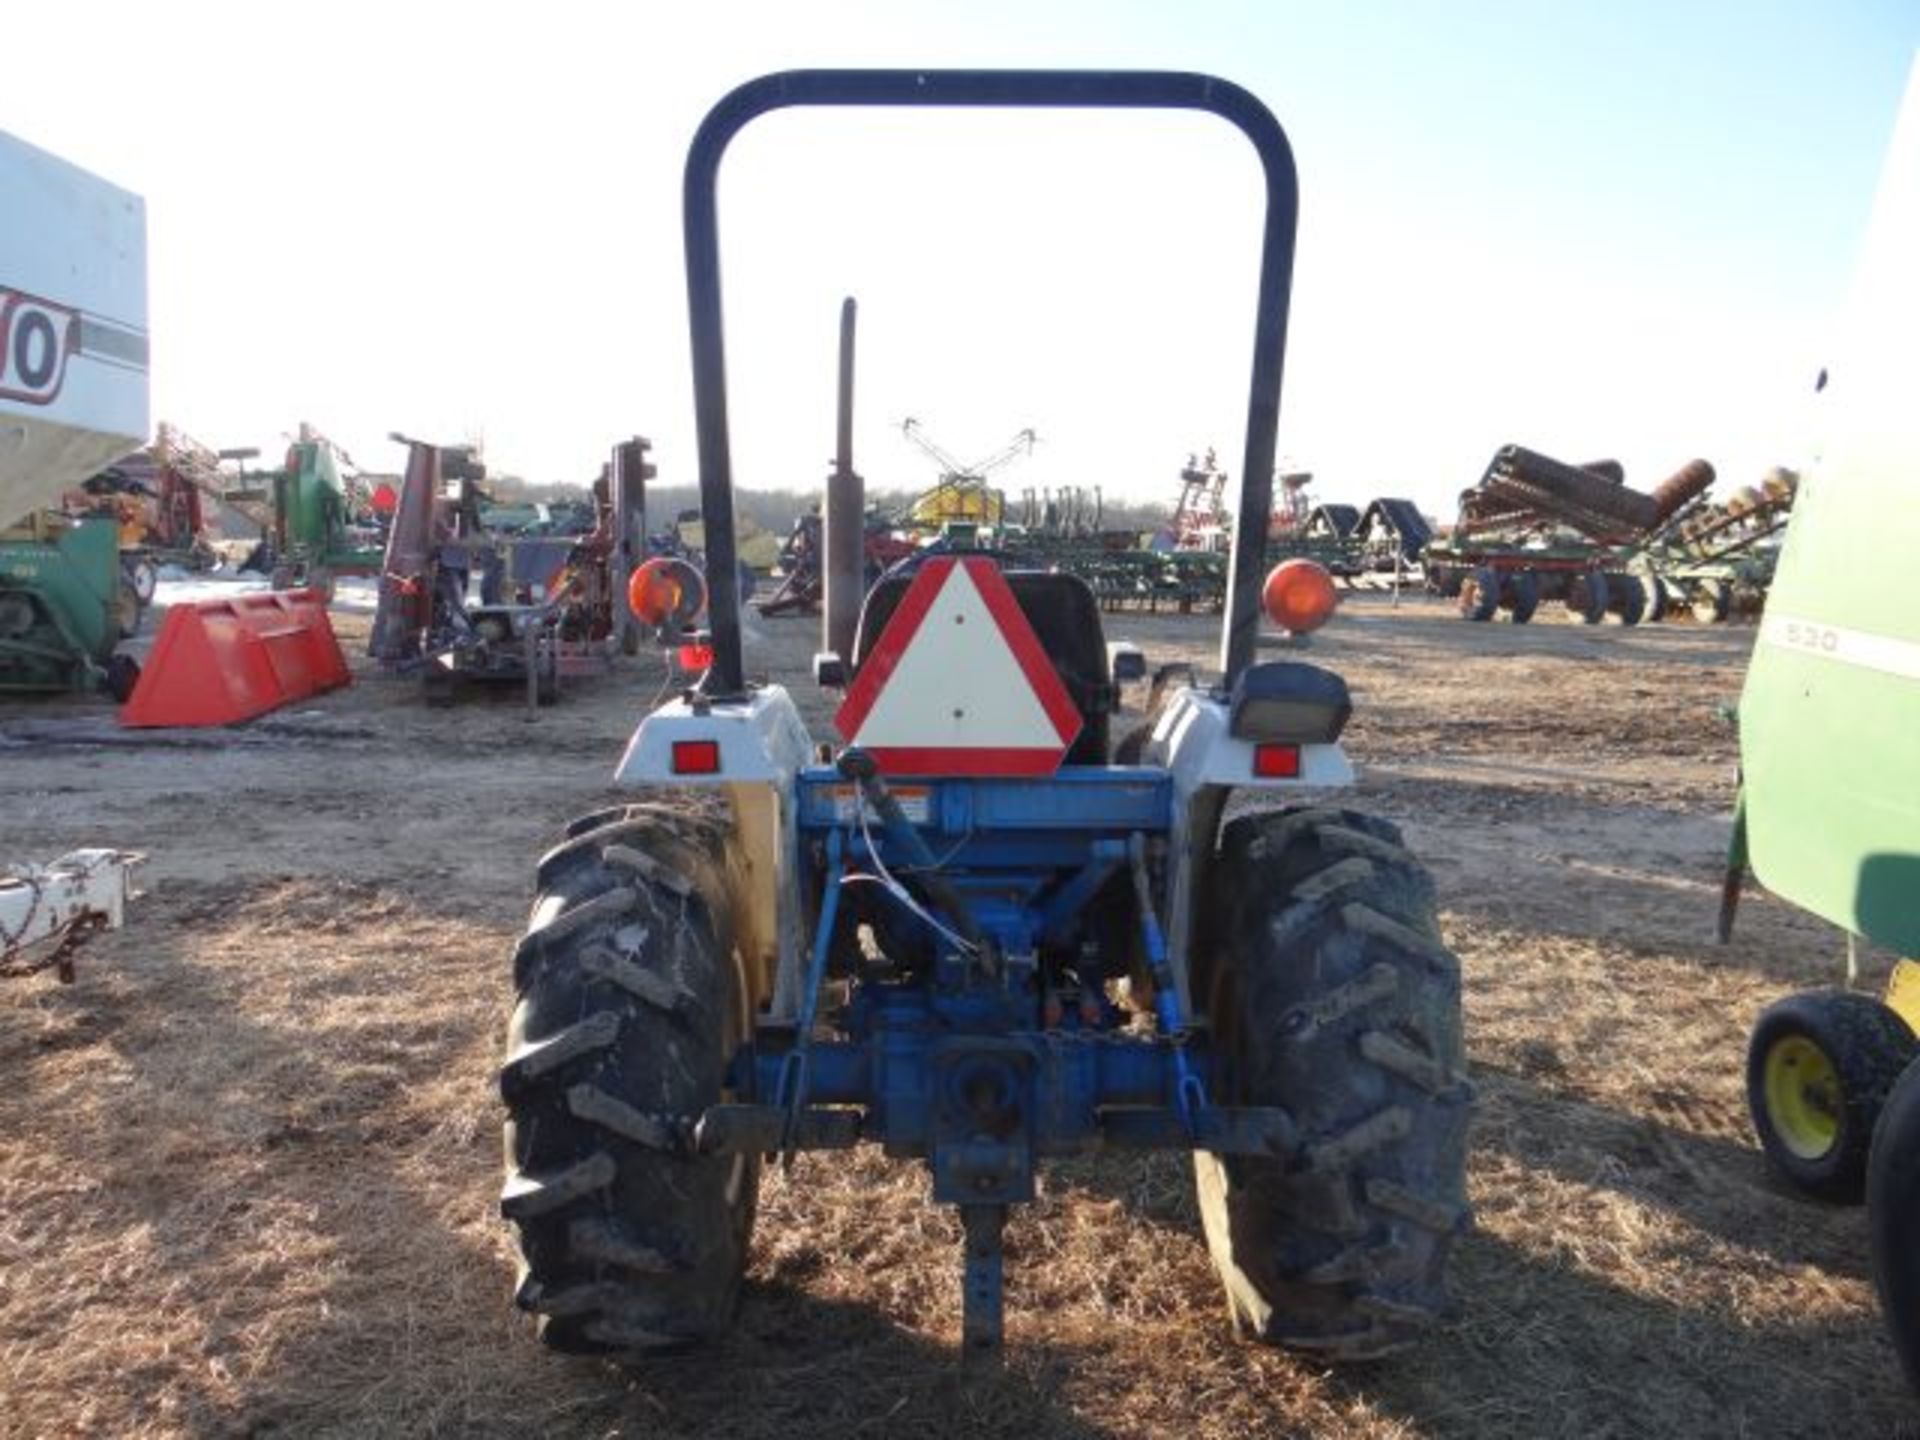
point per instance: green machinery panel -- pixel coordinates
(1830, 717)
(59, 587)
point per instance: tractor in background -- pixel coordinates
(1829, 809)
(463, 606)
(982, 930)
(73, 399)
(312, 529)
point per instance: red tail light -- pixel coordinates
(1276, 762)
(696, 657)
(696, 757)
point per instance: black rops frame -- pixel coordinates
(1039, 89)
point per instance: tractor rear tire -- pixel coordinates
(1893, 1218)
(1333, 996)
(631, 1006)
(1819, 1066)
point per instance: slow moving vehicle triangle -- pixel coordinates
(958, 683)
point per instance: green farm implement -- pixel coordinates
(1829, 810)
(62, 603)
(313, 534)
(1536, 530)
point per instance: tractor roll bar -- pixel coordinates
(1049, 89)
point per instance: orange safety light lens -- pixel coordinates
(1299, 596)
(1274, 761)
(653, 592)
(696, 757)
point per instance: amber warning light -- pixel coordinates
(1299, 596)
(666, 589)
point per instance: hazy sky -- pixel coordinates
(1605, 229)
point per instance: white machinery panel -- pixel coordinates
(73, 327)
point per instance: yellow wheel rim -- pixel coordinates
(1803, 1097)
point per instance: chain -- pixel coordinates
(10, 942)
(67, 939)
(60, 957)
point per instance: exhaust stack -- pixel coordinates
(843, 519)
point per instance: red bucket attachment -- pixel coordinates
(218, 662)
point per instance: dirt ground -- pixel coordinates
(249, 1163)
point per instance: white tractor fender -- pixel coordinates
(1193, 741)
(761, 738)
(763, 747)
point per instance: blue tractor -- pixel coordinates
(985, 930)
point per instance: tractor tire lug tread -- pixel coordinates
(1320, 966)
(528, 1196)
(648, 1130)
(1391, 1053)
(603, 906)
(607, 1242)
(632, 1001)
(1396, 1199)
(646, 985)
(647, 868)
(596, 1032)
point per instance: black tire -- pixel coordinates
(1659, 598)
(1526, 596)
(1712, 602)
(1628, 596)
(1587, 596)
(1854, 1048)
(631, 1005)
(1480, 594)
(1893, 1218)
(1326, 981)
(122, 673)
(144, 578)
(127, 609)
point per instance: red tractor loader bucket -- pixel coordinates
(218, 662)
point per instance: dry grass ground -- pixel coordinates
(248, 1164)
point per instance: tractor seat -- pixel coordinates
(1063, 614)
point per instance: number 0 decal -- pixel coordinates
(35, 340)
